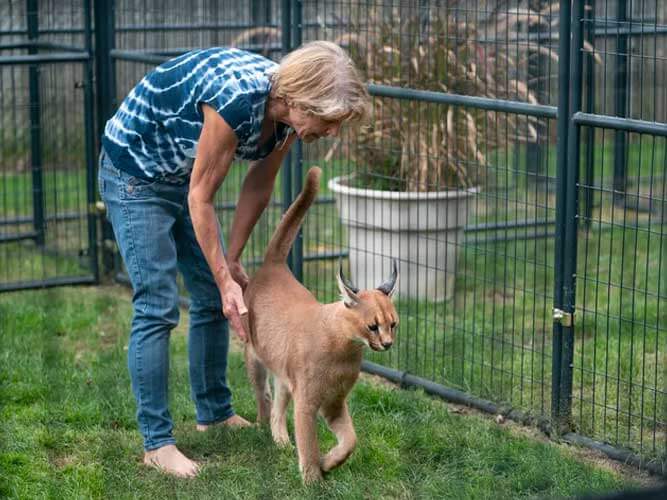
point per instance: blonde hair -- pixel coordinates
(320, 78)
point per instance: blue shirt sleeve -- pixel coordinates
(235, 110)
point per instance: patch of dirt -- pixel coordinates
(61, 461)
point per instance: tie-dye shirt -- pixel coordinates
(154, 133)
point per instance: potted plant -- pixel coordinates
(419, 164)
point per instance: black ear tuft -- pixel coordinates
(347, 289)
(389, 286)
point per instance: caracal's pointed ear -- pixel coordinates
(389, 286)
(347, 290)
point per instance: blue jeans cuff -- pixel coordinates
(158, 443)
(227, 415)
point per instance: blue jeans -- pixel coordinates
(154, 232)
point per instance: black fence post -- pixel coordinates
(561, 190)
(105, 89)
(32, 11)
(286, 173)
(571, 220)
(89, 121)
(590, 108)
(621, 85)
(105, 82)
(260, 12)
(297, 250)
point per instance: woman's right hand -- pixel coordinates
(233, 307)
(238, 273)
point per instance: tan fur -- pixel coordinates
(313, 350)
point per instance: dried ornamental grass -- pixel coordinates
(418, 146)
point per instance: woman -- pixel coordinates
(165, 153)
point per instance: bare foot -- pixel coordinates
(235, 422)
(170, 460)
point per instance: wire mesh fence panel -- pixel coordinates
(476, 294)
(44, 206)
(619, 393)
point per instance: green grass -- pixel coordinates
(494, 339)
(645, 157)
(66, 241)
(67, 426)
(63, 191)
(25, 261)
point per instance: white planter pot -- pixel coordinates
(424, 231)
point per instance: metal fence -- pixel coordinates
(550, 114)
(47, 225)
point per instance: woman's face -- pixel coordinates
(309, 127)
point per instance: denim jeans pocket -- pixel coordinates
(134, 188)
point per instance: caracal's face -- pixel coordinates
(378, 320)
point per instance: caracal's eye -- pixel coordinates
(373, 328)
(393, 325)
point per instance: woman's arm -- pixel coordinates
(215, 152)
(255, 196)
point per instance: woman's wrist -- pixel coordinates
(222, 276)
(233, 259)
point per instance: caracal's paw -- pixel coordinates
(311, 474)
(336, 457)
(329, 462)
(281, 438)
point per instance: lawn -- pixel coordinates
(494, 339)
(67, 426)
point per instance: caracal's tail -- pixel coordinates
(287, 229)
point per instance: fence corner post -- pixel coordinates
(297, 165)
(569, 152)
(105, 91)
(32, 12)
